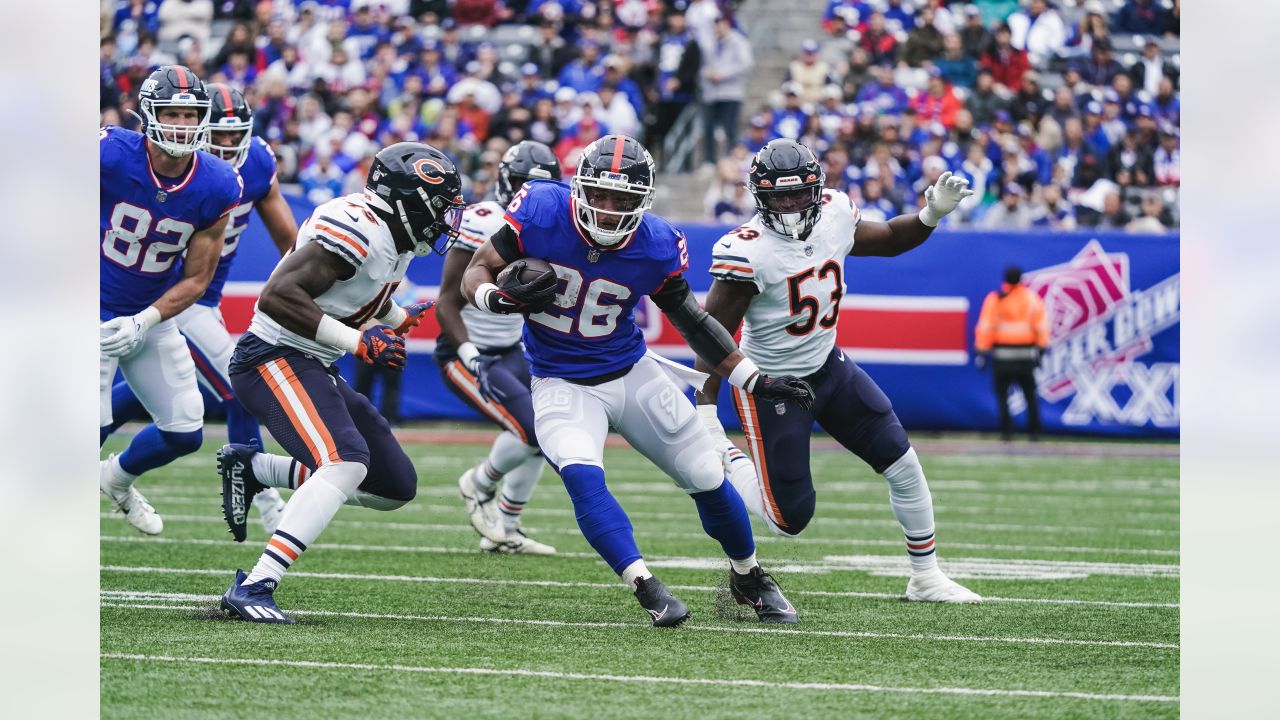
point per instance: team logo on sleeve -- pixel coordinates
(430, 170)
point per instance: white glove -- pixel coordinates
(711, 421)
(120, 336)
(942, 197)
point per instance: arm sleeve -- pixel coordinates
(507, 243)
(707, 337)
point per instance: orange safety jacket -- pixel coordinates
(1014, 316)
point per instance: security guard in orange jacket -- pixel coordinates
(1013, 332)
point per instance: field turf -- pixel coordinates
(1074, 545)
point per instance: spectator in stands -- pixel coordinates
(1006, 63)
(726, 66)
(1076, 156)
(437, 75)
(1141, 17)
(1101, 68)
(1064, 106)
(790, 120)
(882, 95)
(677, 64)
(852, 12)
(342, 72)
(875, 206)
(831, 112)
(1152, 68)
(977, 39)
(856, 72)
(1167, 157)
(809, 72)
(981, 173)
(1113, 215)
(1166, 104)
(701, 16)
(544, 127)
(616, 111)
(924, 42)
(184, 18)
(615, 73)
(239, 72)
(550, 52)
(985, 100)
(240, 39)
(1012, 212)
(957, 68)
(899, 17)
(1131, 156)
(1091, 28)
(322, 180)
(1029, 102)
(727, 200)
(295, 74)
(879, 43)
(1155, 216)
(1053, 211)
(576, 139)
(938, 103)
(835, 50)
(1038, 29)
(840, 174)
(586, 71)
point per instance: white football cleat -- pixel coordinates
(482, 508)
(517, 543)
(933, 586)
(270, 508)
(135, 507)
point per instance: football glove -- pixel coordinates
(784, 388)
(379, 345)
(482, 367)
(942, 197)
(120, 336)
(413, 317)
(513, 296)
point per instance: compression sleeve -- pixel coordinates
(707, 337)
(507, 243)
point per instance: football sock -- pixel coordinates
(266, 499)
(725, 518)
(506, 454)
(633, 572)
(913, 506)
(153, 448)
(742, 474)
(743, 566)
(305, 517)
(518, 488)
(119, 480)
(242, 426)
(601, 519)
(279, 471)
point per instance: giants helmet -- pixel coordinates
(786, 180)
(522, 162)
(230, 114)
(613, 188)
(417, 187)
(174, 86)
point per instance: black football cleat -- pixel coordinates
(235, 465)
(759, 590)
(665, 608)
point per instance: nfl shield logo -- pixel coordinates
(808, 251)
(593, 255)
(780, 408)
(162, 195)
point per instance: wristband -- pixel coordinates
(482, 297)
(335, 334)
(928, 217)
(744, 375)
(148, 318)
(468, 353)
(395, 317)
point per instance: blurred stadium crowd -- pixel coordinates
(1062, 113)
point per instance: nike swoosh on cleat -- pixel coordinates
(659, 615)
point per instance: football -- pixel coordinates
(530, 269)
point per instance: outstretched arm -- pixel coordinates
(906, 232)
(727, 304)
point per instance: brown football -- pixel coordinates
(530, 269)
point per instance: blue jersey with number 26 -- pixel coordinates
(147, 221)
(590, 330)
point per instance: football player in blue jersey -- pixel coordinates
(230, 138)
(591, 369)
(161, 196)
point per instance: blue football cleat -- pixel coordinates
(254, 602)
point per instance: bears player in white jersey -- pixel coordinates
(482, 362)
(784, 273)
(591, 368)
(349, 257)
(230, 138)
(161, 195)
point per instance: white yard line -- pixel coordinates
(608, 586)
(646, 679)
(860, 634)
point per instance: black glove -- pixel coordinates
(514, 296)
(784, 388)
(488, 390)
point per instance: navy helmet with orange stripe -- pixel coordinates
(230, 124)
(522, 162)
(174, 86)
(415, 188)
(786, 180)
(613, 188)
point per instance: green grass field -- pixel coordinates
(400, 616)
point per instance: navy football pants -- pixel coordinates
(510, 374)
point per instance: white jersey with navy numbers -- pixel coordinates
(790, 326)
(485, 330)
(347, 227)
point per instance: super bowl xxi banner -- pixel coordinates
(1112, 301)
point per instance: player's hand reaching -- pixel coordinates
(481, 367)
(942, 197)
(783, 388)
(516, 296)
(379, 345)
(120, 336)
(413, 317)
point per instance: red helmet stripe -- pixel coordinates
(182, 80)
(226, 100)
(617, 153)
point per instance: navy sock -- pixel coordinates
(153, 448)
(724, 517)
(242, 426)
(601, 519)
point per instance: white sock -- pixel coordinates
(279, 471)
(633, 572)
(267, 499)
(518, 487)
(913, 505)
(305, 517)
(744, 478)
(363, 499)
(505, 455)
(742, 567)
(119, 480)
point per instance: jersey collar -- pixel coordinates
(191, 171)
